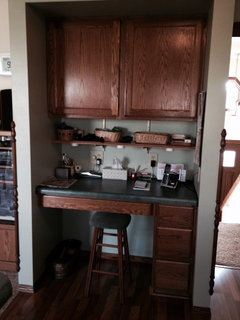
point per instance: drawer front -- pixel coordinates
(175, 217)
(171, 277)
(92, 204)
(173, 243)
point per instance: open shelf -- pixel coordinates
(134, 145)
(6, 181)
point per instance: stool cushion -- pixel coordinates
(5, 289)
(106, 220)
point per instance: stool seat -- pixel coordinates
(106, 220)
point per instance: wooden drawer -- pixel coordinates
(173, 243)
(92, 204)
(171, 277)
(7, 243)
(175, 217)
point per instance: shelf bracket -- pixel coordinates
(148, 149)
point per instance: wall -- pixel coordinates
(140, 229)
(47, 224)
(29, 164)
(39, 230)
(218, 64)
(5, 81)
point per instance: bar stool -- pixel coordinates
(116, 221)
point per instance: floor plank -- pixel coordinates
(225, 302)
(64, 299)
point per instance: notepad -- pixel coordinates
(141, 185)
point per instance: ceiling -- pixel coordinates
(123, 7)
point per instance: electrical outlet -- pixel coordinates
(153, 156)
(96, 154)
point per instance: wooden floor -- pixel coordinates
(64, 299)
(225, 302)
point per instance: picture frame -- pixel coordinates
(5, 64)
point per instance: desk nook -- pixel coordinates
(174, 214)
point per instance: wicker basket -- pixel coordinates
(151, 138)
(108, 136)
(66, 134)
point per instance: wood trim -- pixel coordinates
(25, 288)
(133, 145)
(9, 266)
(92, 204)
(201, 313)
(217, 210)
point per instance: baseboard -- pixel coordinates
(201, 313)
(25, 288)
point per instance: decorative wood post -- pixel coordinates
(14, 164)
(217, 211)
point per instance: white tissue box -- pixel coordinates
(117, 174)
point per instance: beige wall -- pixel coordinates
(218, 65)
(32, 163)
(5, 81)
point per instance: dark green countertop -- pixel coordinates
(184, 194)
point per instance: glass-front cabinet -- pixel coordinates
(9, 253)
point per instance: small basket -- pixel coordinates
(151, 138)
(66, 134)
(108, 136)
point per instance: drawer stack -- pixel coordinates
(174, 250)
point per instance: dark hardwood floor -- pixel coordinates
(64, 299)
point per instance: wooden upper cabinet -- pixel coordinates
(162, 69)
(83, 68)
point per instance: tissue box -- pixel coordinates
(117, 174)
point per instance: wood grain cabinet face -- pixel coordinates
(83, 68)
(174, 246)
(162, 69)
(8, 252)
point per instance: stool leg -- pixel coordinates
(120, 266)
(91, 260)
(126, 250)
(99, 250)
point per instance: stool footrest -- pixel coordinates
(110, 234)
(107, 245)
(105, 272)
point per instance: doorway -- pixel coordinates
(228, 252)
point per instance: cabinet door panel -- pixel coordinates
(83, 68)
(8, 243)
(175, 217)
(173, 243)
(162, 69)
(171, 276)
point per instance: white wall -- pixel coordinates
(218, 65)
(5, 81)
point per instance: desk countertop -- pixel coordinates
(184, 194)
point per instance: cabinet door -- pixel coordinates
(162, 67)
(8, 252)
(83, 68)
